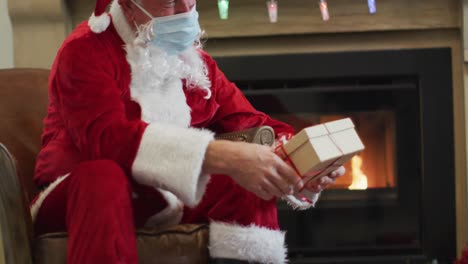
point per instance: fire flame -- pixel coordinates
(359, 178)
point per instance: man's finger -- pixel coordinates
(289, 174)
(271, 188)
(285, 187)
(338, 172)
(316, 188)
(324, 181)
(262, 193)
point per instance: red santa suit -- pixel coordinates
(118, 153)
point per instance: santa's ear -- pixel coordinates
(124, 2)
(127, 9)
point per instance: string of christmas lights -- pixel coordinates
(223, 9)
(323, 5)
(272, 8)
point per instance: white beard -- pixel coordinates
(157, 82)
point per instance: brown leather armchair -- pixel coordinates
(23, 104)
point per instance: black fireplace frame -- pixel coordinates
(434, 81)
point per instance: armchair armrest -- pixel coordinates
(263, 135)
(15, 222)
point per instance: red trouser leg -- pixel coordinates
(94, 205)
(242, 226)
(226, 201)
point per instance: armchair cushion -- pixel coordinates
(176, 244)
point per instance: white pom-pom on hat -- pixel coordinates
(100, 20)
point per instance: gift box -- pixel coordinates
(318, 150)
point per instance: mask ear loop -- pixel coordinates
(147, 30)
(149, 33)
(142, 9)
(136, 27)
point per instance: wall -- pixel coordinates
(6, 37)
(39, 26)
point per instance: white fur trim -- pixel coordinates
(37, 204)
(297, 203)
(249, 243)
(99, 23)
(171, 158)
(171, 215)
(166, 104)
(156, 83)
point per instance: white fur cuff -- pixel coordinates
(171, 215)
(301, 204)
(34, 210)
(249, 243)
(171, 158)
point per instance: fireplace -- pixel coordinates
(396, 202)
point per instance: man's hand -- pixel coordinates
(255, 167)
(322, 183)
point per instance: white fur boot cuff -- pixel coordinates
(249, 243)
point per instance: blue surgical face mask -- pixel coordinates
(174, 33)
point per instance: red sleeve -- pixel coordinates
(91, 105)
(236, 112)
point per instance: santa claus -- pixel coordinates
(134, 103)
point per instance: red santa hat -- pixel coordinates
(100, 20)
